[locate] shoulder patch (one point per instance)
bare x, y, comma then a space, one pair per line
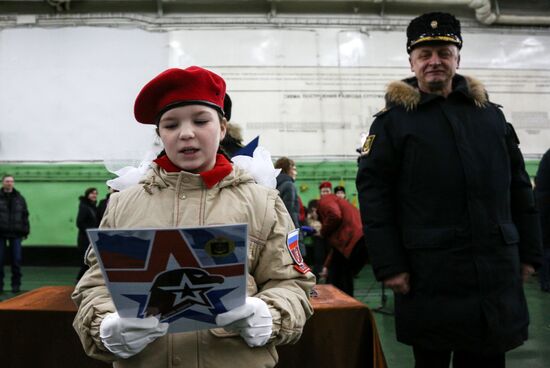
293, 247
367, 145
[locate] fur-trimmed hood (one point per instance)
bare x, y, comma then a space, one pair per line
235, 131
405, 93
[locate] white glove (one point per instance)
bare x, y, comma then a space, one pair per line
251, 320
126, 337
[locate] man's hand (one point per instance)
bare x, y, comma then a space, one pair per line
398, 283
526, 271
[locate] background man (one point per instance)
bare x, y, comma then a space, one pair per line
14, 225
447, 208
542, 192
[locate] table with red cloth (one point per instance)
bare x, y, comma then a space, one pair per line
36, 331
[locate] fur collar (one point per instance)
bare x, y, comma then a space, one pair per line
405, 93
235, 131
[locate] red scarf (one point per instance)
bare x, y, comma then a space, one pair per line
221, 169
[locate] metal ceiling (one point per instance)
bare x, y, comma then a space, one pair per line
523, 7
169, 13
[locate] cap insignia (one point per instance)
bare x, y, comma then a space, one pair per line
433, 24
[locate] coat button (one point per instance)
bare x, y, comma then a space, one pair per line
183, 196
177, 360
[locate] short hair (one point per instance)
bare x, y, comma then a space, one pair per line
7, 176
285, 164
339, 188
87, 193
89, 190
314, 203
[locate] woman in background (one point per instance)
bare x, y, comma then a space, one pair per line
86, 219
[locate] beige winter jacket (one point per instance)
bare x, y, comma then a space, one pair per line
181, 199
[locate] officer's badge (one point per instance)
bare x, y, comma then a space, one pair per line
367, 145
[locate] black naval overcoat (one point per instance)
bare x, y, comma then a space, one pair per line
444, 195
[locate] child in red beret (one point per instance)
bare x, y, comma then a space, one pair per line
325, 188
193, 184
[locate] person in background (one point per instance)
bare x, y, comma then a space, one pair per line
287, 189
340, 192
448, 209
102, 206
325, 188
289, 194
233, 140
301, 211
341, 230
86, 219
317, 250
194, 184
14, 226
542, 193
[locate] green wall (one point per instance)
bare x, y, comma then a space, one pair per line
310, 175
52, 192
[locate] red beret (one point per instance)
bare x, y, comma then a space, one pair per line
325, 184
175, 87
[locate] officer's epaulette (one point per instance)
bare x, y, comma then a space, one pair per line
496, 105
382, 112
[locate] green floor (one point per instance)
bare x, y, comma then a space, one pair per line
534, 354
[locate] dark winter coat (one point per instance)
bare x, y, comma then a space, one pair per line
340, 223
289, 195
542, 192
14, 215
102, 207
86, 219
444, 195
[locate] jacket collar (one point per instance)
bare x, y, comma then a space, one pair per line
14, 192
159, 178
221, 169
405, 93
282, 177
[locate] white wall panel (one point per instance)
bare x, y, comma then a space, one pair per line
67, 94
313, 92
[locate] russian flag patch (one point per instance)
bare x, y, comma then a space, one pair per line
292, 243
